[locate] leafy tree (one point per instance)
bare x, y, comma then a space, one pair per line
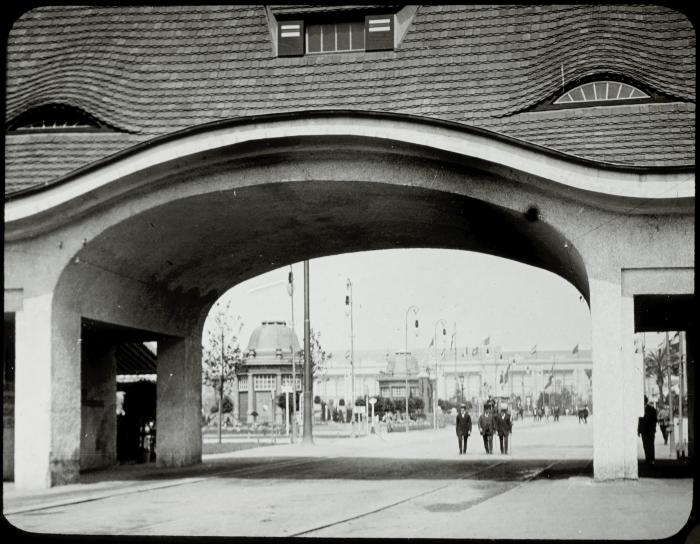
227, 406
221, 357
282, 402
415, 404
383, 405
656, 365
319, 356
360, 401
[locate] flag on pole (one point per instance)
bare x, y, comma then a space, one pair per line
551, 377
501, 378
505, 376
442, 353
575, 350
432, 343
452, 340
486, 340
533, 350
475, 351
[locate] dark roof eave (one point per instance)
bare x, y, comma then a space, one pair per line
307, 114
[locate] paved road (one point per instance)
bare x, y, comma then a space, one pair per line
399, 485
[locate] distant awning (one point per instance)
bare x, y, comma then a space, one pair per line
135, 359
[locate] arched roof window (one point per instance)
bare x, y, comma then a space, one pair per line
601, 91
54, 117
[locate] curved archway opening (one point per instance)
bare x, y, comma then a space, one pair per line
490, 328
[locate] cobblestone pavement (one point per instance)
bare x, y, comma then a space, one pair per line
398, 485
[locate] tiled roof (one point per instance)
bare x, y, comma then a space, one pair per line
36, 159
152, 70
655, 134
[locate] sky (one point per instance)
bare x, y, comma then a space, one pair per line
515, 305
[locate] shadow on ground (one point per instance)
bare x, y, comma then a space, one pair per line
667, 468
348, 468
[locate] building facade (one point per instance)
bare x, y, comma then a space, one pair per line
266, 372
502, 372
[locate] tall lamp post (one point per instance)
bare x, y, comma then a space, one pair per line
308, 370
405, 354
461, 386
444, 333
290, 290
348, 307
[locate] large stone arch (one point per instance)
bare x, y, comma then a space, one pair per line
149, 239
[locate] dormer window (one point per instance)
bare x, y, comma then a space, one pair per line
319, 35
335, 37
601, 91
55, 117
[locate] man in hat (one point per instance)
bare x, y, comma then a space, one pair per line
646, 428
464, 428
487, 425
504, 426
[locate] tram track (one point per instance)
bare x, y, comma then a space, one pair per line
304, 467
243, 471
469, 475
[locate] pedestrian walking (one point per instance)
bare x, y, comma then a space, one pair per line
504, 426
646, 428
463, 427
664, 423
487, 426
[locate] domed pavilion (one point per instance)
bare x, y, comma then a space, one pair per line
266, 368
392, 381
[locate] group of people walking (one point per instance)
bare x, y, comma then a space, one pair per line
489, 423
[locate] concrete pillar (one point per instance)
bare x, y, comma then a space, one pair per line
47, 394
617, 396
98, 440
179, 403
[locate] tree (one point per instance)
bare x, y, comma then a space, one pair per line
415, 404
221, 357
227, 406
656, 365
383, 405
319, 357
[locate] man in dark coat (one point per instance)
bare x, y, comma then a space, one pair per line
464, 428
646, 428
487, 426
504, 426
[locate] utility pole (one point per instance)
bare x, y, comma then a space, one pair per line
308, 371
405, 355
292, 415
349, 302
435, 403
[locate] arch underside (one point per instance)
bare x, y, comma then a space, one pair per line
203, 244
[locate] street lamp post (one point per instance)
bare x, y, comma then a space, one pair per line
405, 354
444, 333
461, 386
290, 290
348, 304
